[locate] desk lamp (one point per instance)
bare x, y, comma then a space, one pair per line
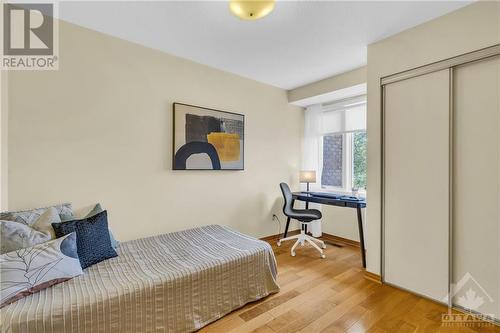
307, 176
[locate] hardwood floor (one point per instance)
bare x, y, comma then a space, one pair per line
332, 295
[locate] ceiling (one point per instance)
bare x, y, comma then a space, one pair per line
298, 43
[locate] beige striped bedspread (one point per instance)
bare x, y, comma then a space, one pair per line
176, 282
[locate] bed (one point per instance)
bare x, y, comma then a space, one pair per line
176, 282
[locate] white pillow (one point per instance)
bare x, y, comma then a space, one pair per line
16, 235
26, 271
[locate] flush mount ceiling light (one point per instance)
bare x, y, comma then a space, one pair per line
251, 9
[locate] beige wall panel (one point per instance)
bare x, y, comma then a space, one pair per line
416, 184
341, 222
476, 227
336, 82
100, 130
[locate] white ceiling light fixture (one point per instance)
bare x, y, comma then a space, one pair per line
251, 9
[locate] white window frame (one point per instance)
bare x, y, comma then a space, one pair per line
347, 144
347, 165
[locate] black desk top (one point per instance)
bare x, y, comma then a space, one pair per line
330, 199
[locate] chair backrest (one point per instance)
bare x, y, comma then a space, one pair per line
287, 195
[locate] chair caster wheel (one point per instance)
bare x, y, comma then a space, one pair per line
293, 254
279, 243
323, 256
324, 246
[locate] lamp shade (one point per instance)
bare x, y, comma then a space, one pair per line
307, 176
251, 9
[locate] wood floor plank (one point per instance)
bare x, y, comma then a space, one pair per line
225, 324
346, 300
253, 324
331, 295
268, 305
344, 323
392, 321
285, 319
316, 293
263, 329
377, 305
312, 275
309, 312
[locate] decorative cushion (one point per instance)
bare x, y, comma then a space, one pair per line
44, 223
93, 242
27, 271
90, 211
29, 217
15, 235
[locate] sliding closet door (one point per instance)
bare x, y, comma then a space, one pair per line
476, 181
416, 184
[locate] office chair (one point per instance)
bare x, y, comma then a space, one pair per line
304, 216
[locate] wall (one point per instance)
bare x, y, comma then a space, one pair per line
3, 139
470, 28
100, 130
336, 82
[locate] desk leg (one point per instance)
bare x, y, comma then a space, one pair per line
305, 225
287, 222
361, 236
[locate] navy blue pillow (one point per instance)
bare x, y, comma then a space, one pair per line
92, 238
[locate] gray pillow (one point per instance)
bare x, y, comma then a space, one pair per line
29, 217
15, 235
44, 223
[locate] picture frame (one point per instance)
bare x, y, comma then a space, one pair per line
207, 139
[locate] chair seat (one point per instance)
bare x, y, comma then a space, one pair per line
305, 215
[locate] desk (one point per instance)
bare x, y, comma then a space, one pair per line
334, 201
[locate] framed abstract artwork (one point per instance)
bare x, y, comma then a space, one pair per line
207, 139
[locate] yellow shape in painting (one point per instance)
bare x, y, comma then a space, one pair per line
226, 144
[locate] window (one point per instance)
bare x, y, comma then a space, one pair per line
359, 160
335, 144
333, 160
344, 161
